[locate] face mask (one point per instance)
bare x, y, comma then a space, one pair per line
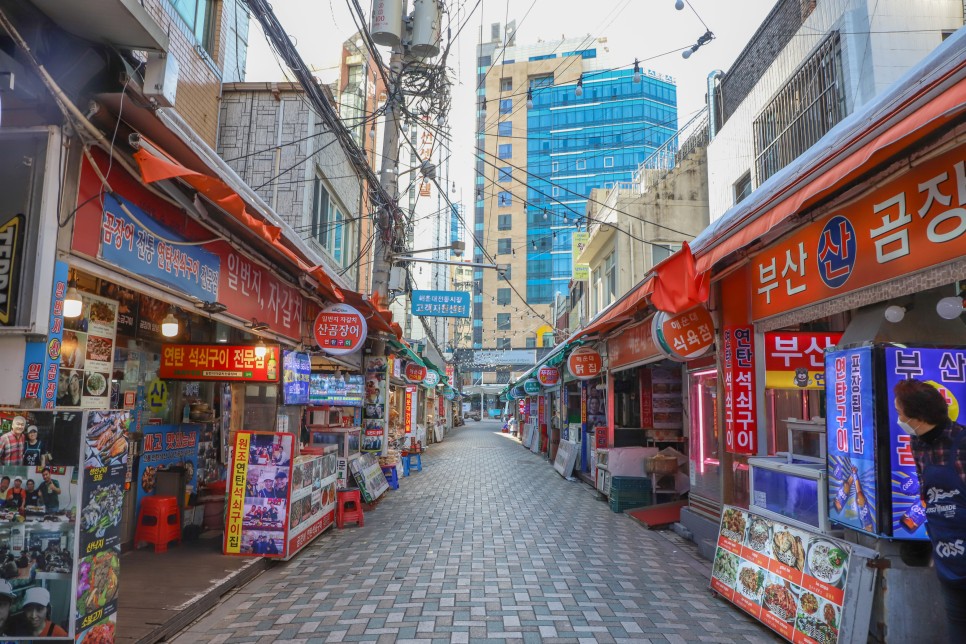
907, 428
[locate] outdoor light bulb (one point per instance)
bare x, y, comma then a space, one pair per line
949, 308
686, 54
260, 349
169, 325
529, 103
545, 215
73, 305
679, 5
580, 89
895, 313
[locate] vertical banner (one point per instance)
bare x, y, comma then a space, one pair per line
409, 410
166, 446
647, 400
850, 434
41, 371
944, 369
375, 409
581, 272
256, 521
740, 406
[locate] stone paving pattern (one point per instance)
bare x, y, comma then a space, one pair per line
487, 544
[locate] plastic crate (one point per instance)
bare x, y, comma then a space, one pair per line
620, 484
620, 504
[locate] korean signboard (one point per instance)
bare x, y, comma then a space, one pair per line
790, 580
910, 223
851, 439
431, 379
740, 407
41, 371
415, 373
632, 345
311, 502
944, 369
442, 304
257, 511
296, 371
165, 446
409, 410
155, 253
584, 363
795, 360
218, 362
548, 376
683, 336
581, 272
531, 386
340, 329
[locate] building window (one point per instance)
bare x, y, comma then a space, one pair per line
504, 199
503, 343
505, 275
331, 229
743, 187
503, 321
810, 103
610, 278
504, 150
608, 162
581, 164
503, 296
506, 84
661, 251
485, 61
504, 128
554, 165
506, 175
504, 222
555, 191
506, 105
531, 342
503, 246
548, 339
197, 14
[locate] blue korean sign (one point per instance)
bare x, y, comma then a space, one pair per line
850, 425
296, 370
944, 369
41, 364
441, 304
166, 446
155, 252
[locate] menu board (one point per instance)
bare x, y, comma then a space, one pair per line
87, 355
369, 477
256, 521
165, 447
944, 369
311, 503
665, 399
296, 369
851, 439
566, 458
790, 580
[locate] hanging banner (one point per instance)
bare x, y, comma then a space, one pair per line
340, 329
944, 369
796, 360
684, 336
409, 410
415, 373
584, 363
790, 580
441, 304
581, 272
219, 362
851, 439
41, 369
374, 408
741, 411
548, 376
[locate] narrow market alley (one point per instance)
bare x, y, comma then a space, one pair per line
487, 543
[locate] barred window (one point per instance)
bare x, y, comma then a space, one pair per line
810, 103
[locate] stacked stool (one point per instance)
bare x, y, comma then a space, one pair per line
349, 508
159, 522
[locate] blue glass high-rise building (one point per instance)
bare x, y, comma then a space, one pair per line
541, 149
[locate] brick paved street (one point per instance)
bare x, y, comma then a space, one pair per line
487, 543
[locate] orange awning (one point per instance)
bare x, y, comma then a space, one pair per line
621, 311
377, 318
154, 168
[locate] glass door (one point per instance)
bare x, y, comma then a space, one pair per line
704, 457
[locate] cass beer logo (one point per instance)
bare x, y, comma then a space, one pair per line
946, 549
9, 261
836, 252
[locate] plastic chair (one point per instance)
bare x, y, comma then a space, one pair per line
392, 477
349, 508
159, 522
407, 462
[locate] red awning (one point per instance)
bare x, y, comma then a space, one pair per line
377, 318
928, 106
621, 311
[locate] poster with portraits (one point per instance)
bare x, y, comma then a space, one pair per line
87, 355
312, 500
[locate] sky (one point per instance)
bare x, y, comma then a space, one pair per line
650, 30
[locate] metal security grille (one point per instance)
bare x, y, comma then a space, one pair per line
808, 106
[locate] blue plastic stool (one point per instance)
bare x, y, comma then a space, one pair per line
407, 462
391, 477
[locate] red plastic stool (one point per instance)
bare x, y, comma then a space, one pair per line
349, 508
159, 522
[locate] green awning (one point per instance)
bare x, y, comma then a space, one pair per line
405, 352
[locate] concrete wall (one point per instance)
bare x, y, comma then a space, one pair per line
265, 131
902, 33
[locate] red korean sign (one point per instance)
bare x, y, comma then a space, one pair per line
584, 363
797, 360
340, 329
548, 376
915, 221
218, 362
741, 412
632, 345
408, 410
415, 373
647, 399
451, 374
684, 336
